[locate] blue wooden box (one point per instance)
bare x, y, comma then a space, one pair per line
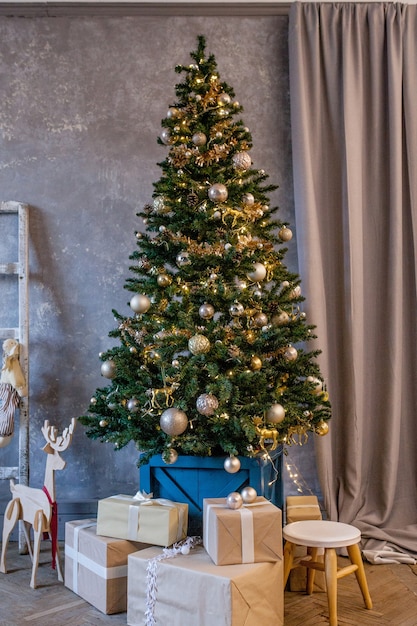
191, 479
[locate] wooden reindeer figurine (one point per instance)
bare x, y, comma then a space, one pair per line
37, 507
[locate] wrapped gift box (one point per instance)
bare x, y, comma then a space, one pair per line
299, 508
156, 522
96, 567
251, 534
193, 590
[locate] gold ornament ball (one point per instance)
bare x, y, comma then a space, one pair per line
198, 344
173, 113
275, 414
322, 428
223, 99
249, 495
231, 464
250, 336
234, 500
173, 421
285, 234
260, 320
255, 363
281, 319
248, 199
199, 139
140, 303
163, 280
206, 311
242, 161
318, 385
207, 404
170, 457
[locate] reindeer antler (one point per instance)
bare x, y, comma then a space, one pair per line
51, 435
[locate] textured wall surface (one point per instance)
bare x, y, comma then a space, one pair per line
81, 104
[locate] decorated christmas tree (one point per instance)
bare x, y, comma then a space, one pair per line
212, 357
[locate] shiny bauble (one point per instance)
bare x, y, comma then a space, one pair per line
236, 309
275, 414
198, 344
133, 405
173, 421
93, 401
255, 363
207, 404
322, 428
231, 464
285, 234
290, 353
218, 193
170, 457
199, 139
108, 369
206, 311
318, 385
159, 205
223, 99
166, 136
173, 113
234, 500
242, 161
281, 319
183, 258
175, 363
163, 280
260, 320
249, 495
258, 273
248, 199
103, 423
140, 303
295, 292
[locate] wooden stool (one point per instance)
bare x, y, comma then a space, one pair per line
315, 534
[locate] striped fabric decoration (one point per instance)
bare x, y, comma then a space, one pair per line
9, 401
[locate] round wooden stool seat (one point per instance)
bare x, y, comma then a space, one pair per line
325, 535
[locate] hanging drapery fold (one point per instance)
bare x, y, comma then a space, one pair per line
353, 80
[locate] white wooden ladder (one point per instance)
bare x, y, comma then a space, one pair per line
18, 268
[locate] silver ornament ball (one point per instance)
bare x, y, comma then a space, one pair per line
133, 405
234, 500
249, 495
242, 161
223, 99
218, 193
199, 139
236, 309
173, 421
183, 258
108, 369
165, 136
231, 464
206, 311
258, 273
140, 303
248, 199
291, 353
207, 404
275, 414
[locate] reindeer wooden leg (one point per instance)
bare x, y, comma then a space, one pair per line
59, 565
11, 516
26, 532
38, 526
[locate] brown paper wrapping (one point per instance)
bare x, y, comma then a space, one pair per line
124, 517
228, 538
299, 508
96, 568
193, 590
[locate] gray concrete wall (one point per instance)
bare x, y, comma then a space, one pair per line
81, 104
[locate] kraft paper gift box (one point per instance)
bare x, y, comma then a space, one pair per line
96, 567
192, 590
299, 508
157, 522
250, 534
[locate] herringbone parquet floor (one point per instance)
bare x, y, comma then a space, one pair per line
393, 590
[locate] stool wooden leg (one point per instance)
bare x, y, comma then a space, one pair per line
288, 560
356, 558
330, 569
310, 570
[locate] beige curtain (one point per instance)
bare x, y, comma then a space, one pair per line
353, 82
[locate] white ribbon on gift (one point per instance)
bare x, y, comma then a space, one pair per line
246, 529
144, 499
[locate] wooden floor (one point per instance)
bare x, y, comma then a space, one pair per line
393, 590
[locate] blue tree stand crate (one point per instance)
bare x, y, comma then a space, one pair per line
191, 479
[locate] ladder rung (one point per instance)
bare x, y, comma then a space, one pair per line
9, 268
8, 472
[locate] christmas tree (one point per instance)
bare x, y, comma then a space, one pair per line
212, 358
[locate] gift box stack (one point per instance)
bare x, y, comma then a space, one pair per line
137, 557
